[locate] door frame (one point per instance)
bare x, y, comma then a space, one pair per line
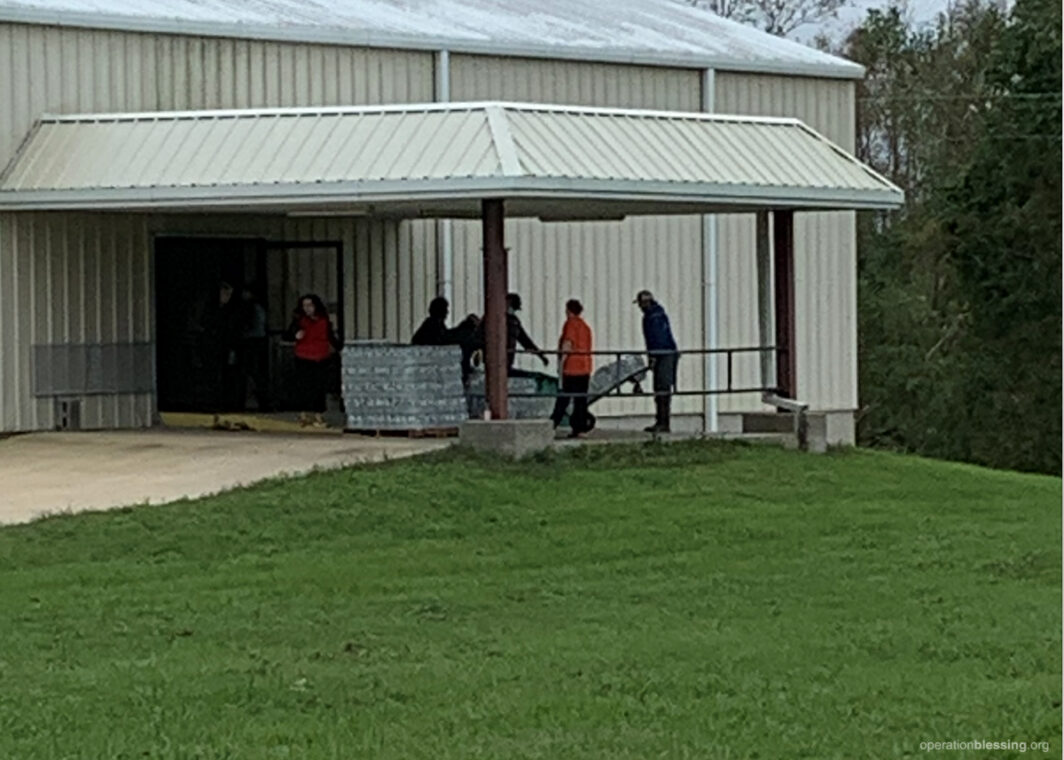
338, 248
264, 244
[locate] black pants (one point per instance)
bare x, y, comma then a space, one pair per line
254, 361
664, 385
578, 419
229, 395
312, 382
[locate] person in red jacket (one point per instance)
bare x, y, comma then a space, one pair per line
316, 342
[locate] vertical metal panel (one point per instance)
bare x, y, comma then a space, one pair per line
88, 277
68, 278
825, 251
601, 263
65, 70
391, 304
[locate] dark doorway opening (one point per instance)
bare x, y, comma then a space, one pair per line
217, 354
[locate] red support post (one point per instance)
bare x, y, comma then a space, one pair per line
495, 284
783, 276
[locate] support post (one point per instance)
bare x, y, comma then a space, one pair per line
783, 278
495, 283
765, 331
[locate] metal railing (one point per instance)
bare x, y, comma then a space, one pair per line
618, 356
769, 394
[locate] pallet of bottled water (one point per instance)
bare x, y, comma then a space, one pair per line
391, 387
530, 397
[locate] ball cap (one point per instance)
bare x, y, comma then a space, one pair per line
643, 295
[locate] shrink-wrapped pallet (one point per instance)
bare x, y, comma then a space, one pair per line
400, 387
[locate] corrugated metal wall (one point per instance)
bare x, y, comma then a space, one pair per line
63, 70
70, 278
601, 263
825, 252
391, 279
67, 278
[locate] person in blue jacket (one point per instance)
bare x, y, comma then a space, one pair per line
662, 356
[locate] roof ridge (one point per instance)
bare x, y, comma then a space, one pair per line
476, 105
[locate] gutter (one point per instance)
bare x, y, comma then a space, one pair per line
444, 227
711, 420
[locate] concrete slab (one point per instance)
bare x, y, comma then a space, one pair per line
43, 473
509, 438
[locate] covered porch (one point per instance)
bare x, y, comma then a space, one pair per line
486, 161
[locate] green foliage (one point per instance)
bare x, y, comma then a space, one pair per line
1003, 222
960, 294
692, 601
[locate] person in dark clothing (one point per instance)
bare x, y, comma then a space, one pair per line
221, 341
254, 348
434, 331
662, 355
316, 341
515, 335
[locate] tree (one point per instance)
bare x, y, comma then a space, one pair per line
959, 294
1002, 219
779, 17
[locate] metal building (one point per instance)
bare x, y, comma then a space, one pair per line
79, 289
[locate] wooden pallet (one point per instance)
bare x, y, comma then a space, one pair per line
445, 432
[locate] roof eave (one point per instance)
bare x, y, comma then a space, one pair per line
334, 36
376, 196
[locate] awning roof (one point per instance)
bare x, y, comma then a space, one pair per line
436, 160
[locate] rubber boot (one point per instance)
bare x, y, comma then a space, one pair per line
661, 417
664, 414
657, 417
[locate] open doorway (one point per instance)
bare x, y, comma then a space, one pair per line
222, 309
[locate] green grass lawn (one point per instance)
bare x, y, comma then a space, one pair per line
685, 601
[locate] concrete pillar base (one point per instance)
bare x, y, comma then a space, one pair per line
510, 438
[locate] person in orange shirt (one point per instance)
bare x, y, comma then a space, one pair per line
574, 352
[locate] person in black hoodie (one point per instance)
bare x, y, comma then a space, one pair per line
662, 356
221, 326
434, 331
515, 335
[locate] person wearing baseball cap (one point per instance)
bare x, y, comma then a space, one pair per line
515, 334
662, 355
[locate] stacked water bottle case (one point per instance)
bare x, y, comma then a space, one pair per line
390, 387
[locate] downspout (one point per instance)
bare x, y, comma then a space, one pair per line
444, 227
710, 422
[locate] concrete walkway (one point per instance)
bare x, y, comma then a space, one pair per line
44, 473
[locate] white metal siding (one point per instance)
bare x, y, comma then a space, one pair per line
601, 263
825, 251
57, 70
70, 278
390, 278
86, 277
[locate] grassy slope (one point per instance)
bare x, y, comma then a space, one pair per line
692, 601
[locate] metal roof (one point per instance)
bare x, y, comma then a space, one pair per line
436, 160
658, 32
